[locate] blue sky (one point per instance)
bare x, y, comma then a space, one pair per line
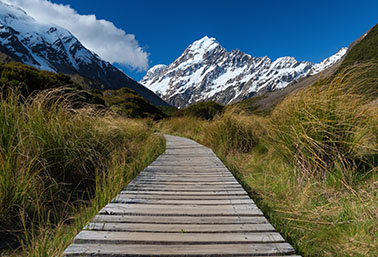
306, 30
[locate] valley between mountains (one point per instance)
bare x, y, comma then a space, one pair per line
300, 139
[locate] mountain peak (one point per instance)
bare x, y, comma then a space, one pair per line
204, 44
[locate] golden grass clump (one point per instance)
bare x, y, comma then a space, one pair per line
325, 129
233, 132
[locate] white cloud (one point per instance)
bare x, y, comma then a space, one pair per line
100, 36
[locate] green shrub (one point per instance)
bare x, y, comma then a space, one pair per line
128, 103
202, 110
30, 79
168, 110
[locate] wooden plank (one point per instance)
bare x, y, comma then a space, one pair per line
180, 188
187, 157
187, 180
182, 169
205, 193
181, 197
184, 210
115, 237
183, 183
190, 180
120, 199
188, 190
198, 161
180, 228
268, 249
180, 219
184, 178
191, 207
188, 168
197, 174
195, 170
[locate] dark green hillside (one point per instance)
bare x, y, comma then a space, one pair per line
29, 78
129, 103
202, 110
365, 50
360, 65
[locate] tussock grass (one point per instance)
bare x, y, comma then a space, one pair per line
326, 131
232, 133
311, 165
60, 162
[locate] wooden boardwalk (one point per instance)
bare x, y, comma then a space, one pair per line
186, 203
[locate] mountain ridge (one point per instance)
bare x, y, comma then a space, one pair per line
53, 48
207, 71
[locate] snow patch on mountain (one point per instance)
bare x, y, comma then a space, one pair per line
37, 43
206, 71
328, 62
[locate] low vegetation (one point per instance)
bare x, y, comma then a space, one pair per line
365, 50
60, 163
128, 103
202, 110
311, 164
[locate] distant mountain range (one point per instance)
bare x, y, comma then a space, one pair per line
53, 48
206, 71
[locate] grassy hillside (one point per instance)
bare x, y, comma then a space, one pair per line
202, 110
128, 103
29, 80
365, 50
311, 163
60, 164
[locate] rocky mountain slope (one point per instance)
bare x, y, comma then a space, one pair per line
55, 49
206, 71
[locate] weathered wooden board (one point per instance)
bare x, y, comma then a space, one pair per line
192, 192
174, 210
267, 249
128, 200
181, 197
181, 228
220, 220
120, 237
186, 203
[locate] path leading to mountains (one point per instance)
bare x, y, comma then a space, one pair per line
186, 203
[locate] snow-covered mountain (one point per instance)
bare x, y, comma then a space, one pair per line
206, 71
55, 49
